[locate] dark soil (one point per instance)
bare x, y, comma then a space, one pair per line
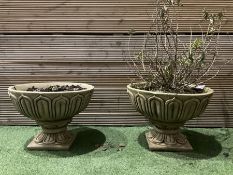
56, 88
185, 90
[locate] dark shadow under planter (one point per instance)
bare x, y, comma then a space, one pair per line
86, 141
95, 142
204, 146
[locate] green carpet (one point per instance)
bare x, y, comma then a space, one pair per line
124, 152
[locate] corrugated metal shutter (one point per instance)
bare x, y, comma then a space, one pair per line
102, 16
96, 60
29, 52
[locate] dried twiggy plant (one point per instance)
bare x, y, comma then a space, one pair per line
165, 62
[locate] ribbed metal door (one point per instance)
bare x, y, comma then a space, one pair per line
82, 41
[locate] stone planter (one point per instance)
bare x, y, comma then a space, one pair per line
52, 111
168, 112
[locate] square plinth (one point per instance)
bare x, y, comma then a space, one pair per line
59, 147
167, 147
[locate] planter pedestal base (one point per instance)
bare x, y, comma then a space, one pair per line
167, 140
52, 141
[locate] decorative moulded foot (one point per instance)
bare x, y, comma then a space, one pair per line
171, 140
52, 141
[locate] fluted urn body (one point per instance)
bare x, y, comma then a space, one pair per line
167, 112
51, 110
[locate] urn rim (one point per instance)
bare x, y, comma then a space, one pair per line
20, 87
208, 91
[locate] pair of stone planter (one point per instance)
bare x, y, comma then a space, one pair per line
54, 110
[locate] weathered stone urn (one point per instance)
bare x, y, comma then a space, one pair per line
167, 112
52, 111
